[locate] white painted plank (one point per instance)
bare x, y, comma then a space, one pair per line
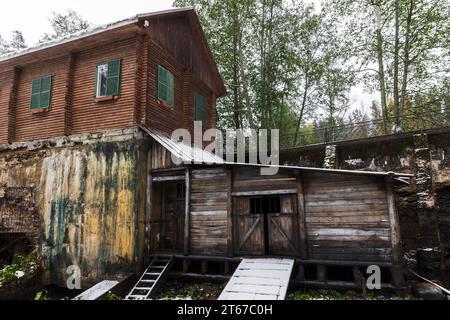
265, 279
97, 291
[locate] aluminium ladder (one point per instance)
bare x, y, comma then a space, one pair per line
150, 279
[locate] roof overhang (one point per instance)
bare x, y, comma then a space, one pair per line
194, 155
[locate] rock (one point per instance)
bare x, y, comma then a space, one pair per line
428, 291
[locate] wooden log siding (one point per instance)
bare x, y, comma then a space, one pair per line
8, 94
347, 217
90, 116
209, 203
162, 117
248, 181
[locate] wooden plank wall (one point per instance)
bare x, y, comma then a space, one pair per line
208, 221
248, 181
347, 217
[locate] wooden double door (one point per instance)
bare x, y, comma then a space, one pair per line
266, 225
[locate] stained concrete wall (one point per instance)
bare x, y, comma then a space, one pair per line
90, 201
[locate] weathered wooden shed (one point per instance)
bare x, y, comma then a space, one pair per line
317, 216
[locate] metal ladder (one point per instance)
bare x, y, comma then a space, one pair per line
148, 282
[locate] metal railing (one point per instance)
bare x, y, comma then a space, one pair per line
360, 130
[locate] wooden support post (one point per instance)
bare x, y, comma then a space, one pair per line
322, 273
397, 274
301, 218
204, 267
230, 212
226, 268
187, 212
358, 278
300, 273
148, 204
186, 264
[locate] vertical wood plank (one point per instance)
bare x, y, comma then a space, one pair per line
300, 273
148, 203
322, 273
187, 212
393, 221
396, 270
301, 218
229, 212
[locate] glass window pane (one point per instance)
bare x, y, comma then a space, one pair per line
102, 82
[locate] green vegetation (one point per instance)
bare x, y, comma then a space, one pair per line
23, 266
112, 296
335, 295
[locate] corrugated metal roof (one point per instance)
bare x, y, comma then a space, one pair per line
184, 152
189, 154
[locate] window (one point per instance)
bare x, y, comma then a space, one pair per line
41, 93
165, 86
108, 79
200, 108
265, 205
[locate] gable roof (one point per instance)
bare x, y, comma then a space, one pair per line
129, 23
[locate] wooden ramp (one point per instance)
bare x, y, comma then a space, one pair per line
97, 291
259, 279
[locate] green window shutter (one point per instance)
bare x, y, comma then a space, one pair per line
170, 93
46, 88
41, 93
165, 86
200, 108
35, 93
113, 81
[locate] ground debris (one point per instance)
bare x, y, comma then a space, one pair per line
174, 290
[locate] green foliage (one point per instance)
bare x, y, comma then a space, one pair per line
17, 43
64, 24
22, 266
112, 296
41, 295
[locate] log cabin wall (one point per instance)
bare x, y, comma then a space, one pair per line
175, 42
6, 87
347, 217
50, 123
208, 211
91, 116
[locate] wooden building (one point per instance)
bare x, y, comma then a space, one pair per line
84, 126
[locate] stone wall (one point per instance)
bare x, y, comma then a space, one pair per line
86, 191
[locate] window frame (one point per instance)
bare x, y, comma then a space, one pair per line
166, 85
97, 86
40, 93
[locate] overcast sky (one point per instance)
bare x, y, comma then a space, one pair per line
31, 17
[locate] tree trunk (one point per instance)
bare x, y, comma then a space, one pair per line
302, 110
406, 58
382, 84
396, 66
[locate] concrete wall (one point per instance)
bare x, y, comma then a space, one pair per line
89, 199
